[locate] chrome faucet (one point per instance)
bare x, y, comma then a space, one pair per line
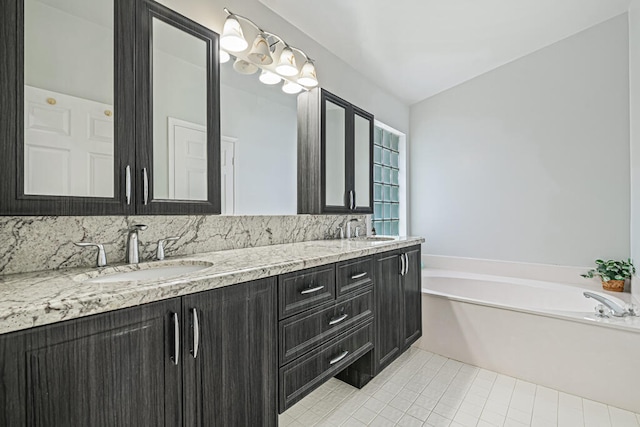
349, 227
133, 245
616, 309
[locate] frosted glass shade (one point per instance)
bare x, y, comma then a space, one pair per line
291, 87
260, 53
287, 64
308, 75
269, 78
232, 37
244, 67
224, 56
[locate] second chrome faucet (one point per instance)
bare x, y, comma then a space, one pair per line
133, 243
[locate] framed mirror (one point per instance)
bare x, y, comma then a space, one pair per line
178, 116
66, 137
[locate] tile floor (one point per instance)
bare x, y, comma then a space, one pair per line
425, 389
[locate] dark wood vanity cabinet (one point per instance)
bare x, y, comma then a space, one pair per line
151, 365
335, 155
398, 303
331, 332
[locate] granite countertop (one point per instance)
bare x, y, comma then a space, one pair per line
40, 298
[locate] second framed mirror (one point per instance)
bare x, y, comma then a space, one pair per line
178, 117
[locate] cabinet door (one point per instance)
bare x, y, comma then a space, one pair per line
362, 161
66, 117
388, 290
111, 369
412, 297
335, 160
232, 378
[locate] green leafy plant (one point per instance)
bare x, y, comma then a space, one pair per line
611, 270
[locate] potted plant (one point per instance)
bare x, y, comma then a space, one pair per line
613, 273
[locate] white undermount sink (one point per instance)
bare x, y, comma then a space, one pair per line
147, 272
376, 238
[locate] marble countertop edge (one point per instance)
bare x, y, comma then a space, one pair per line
40, 298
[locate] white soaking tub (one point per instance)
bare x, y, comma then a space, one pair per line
542, 332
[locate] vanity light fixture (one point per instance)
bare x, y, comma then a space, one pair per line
266, 48
224, 56
269, 78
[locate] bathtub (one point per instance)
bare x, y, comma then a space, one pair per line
542, 332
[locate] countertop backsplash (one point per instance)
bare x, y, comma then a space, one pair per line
35, 243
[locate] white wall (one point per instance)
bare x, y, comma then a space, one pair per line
529, 162
634, 90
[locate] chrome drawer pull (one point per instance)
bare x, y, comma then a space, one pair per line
338, 358
196, 333
312, 290
357, 276
337, 320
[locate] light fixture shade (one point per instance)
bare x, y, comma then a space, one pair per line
291, 87
260, 53
232, 37
244, 67
308, 75
287, 64
269, 78
224, 56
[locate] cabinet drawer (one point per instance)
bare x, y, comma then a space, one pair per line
302, 376
354, 274
305, 289
301, 333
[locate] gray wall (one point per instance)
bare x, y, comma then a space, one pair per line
529, 162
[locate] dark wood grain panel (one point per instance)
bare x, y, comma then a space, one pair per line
301, 333
388, 290
111, 369
412, 297
300, 377
353, 274
292, 300
233, 379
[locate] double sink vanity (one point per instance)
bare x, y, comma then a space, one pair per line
238, 339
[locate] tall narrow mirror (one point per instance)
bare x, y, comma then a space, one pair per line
334, 138
179, 114
69, 98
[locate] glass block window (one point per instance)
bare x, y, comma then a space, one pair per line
386, 188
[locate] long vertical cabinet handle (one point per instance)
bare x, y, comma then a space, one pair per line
127, 184
402, 264
176, 339
196, 333
406, 264
145, 183
352, 201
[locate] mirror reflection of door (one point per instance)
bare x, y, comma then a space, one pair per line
187, 157
68, 103
227, 163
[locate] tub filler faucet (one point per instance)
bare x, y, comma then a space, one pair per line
616, 309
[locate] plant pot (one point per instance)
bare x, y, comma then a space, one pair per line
613, 285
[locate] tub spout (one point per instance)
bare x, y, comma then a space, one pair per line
616, 309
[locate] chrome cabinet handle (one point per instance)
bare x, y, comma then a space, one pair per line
337, 320
351, 200
101, 260
406, 264
196, 333
176, 339
339, 357
311, 290
145, 188
402, 264
127, 185
357, 276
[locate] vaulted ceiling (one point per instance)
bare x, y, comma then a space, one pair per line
418, 48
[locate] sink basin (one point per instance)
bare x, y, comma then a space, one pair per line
146, 272
376, 238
